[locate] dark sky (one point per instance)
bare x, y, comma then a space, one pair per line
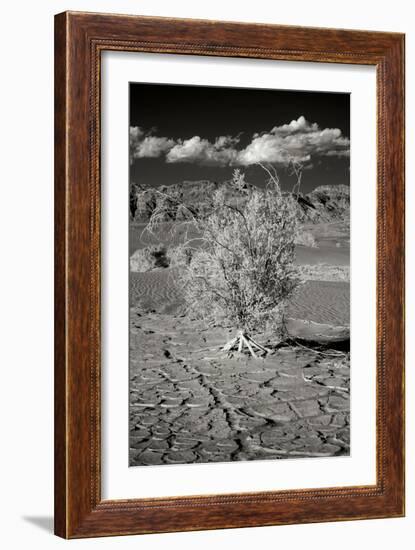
181, 112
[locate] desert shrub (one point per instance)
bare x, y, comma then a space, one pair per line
179, 256
244, 272
238, 260
243, 267
305, 238
150, 257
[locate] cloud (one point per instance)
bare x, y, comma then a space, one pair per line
136, 134
202, 151
147, 146
297, 141
153, 146
295, 126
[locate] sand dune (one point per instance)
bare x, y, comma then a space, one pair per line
318, 301
322, 302
156, 290
325, 253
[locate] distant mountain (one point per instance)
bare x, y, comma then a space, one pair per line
325, 203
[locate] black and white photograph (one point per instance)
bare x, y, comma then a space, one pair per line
207, 283
239, 274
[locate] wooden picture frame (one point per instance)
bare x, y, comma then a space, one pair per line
79, 40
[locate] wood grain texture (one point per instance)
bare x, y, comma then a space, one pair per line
60, 277
79, 40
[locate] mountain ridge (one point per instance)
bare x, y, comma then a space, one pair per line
325, 203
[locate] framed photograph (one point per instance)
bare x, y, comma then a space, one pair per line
229, 275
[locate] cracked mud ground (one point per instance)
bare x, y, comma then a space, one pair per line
190, 403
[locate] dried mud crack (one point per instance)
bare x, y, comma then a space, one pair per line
190, 403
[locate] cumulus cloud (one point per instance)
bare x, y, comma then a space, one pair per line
147, 146
296, 126
153, 146
136, 133
297, 141
202, 151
